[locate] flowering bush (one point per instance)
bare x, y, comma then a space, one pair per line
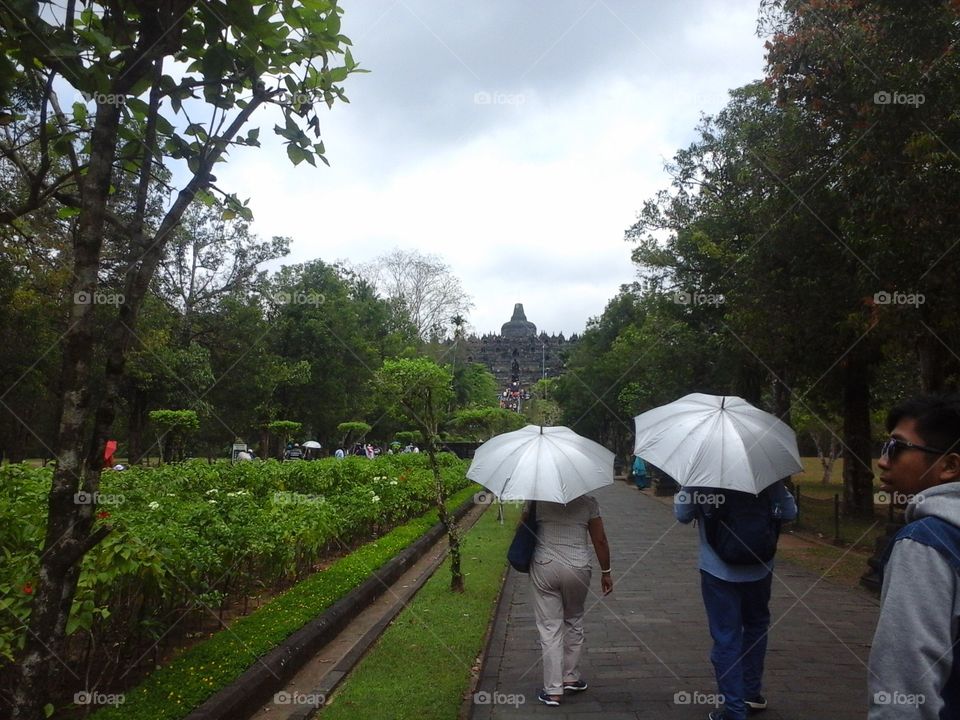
187, 538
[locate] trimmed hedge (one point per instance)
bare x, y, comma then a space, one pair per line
176, 689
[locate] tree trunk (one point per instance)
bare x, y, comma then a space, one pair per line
136, 422
781, 397
857, 460
449, 521
68, 535
930, 353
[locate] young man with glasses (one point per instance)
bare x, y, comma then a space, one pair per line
914, 667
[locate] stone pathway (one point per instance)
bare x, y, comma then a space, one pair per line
646, 653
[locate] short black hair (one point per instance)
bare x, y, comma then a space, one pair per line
937, 417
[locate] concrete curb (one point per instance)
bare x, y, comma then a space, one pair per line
270, 673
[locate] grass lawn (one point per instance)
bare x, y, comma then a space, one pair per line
421, 666
817, 512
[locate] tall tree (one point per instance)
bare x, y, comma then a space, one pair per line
141, 66
421, 288
418, 390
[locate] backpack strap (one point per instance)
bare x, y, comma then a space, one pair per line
942, 536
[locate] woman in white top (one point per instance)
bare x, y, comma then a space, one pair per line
560, 578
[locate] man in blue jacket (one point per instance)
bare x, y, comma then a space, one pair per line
737, 599
914, 666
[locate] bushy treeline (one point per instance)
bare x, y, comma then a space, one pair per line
805, 255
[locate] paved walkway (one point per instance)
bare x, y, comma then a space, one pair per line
646, 653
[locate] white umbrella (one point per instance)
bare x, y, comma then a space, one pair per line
312, 444
719, 442
552, 464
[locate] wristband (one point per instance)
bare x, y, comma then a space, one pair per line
604, 572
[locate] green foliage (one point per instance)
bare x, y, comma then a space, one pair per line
417, 389
284, 428
484, 423
173, 691
474, 386
180, 533
353, 429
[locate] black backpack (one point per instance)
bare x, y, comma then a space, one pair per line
743, 528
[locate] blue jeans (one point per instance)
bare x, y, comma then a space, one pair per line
739, 615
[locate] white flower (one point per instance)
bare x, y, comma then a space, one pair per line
212, 502
154, 505
375, 498
393, 482
212, 491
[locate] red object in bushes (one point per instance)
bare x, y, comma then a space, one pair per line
108, 452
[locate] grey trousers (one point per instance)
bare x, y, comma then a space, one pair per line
559, 592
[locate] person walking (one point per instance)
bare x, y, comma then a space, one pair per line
914, 665
559, 580
736, 596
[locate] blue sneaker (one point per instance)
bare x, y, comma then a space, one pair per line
577, 686
547, 699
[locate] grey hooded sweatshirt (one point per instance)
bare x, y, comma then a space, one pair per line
912, 672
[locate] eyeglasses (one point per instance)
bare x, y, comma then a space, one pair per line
893, 446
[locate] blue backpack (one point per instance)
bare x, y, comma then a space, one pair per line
743, 528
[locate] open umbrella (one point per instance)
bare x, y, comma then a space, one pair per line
717, 441
312, 445
552, 464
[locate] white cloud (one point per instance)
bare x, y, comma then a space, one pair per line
527, 196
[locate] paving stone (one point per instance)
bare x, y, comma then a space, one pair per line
648, 640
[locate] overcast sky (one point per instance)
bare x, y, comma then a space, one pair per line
516, 139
